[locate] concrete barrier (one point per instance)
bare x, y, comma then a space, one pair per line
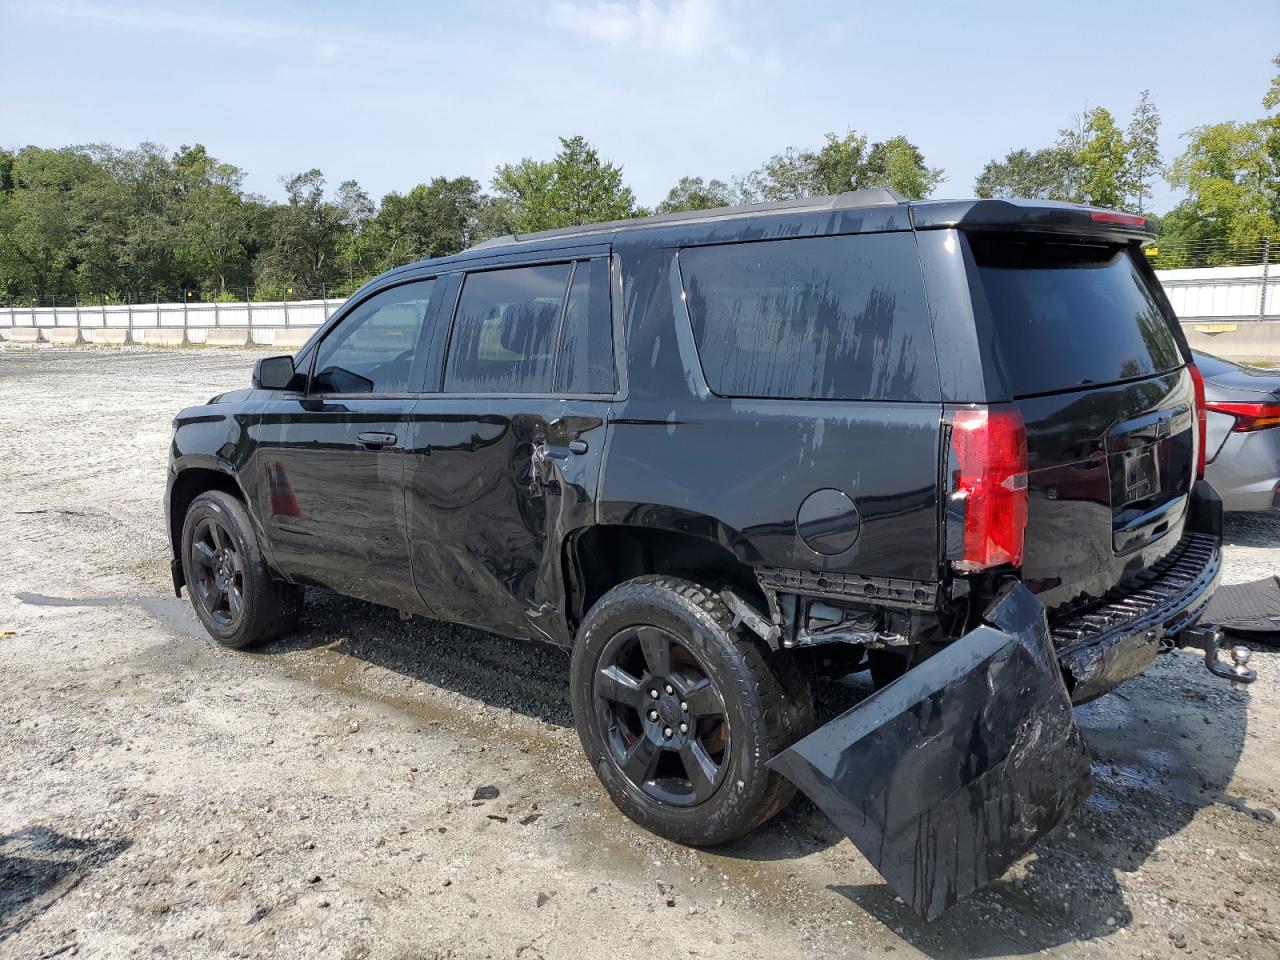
116, 336
225, 337
1248, 339
291, 338
65, 336
25, 334
163, 337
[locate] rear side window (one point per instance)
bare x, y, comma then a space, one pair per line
586, 339
1071, 315
504, 333
833, 318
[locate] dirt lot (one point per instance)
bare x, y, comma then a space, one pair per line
160, 796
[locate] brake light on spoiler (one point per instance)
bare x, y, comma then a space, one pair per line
1112, 216
1249, 416
987, 487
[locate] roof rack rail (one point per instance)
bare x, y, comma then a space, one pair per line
850, 199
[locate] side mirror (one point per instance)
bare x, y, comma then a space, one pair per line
273, 373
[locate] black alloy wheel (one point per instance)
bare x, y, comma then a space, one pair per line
679, 711
219, 573
665, 721
237, 597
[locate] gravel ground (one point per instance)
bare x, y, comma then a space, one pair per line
161, 796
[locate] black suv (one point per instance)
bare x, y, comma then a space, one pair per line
723, 454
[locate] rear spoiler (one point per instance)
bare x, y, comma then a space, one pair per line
1038, 216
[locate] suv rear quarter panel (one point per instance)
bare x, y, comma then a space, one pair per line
737, 470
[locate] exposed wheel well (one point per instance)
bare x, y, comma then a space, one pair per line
188, 485
599, 558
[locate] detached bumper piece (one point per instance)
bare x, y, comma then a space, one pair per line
949, 774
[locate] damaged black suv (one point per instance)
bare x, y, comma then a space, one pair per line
718, 454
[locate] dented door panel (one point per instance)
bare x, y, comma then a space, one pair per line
492, 488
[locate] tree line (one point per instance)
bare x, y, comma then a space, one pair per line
99, 221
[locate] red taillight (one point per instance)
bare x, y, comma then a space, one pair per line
1197, 378
1249, 416
1111, 216
988, 487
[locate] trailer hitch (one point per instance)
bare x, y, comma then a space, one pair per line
1208, 637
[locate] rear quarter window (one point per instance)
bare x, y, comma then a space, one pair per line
1071, 315
830, 318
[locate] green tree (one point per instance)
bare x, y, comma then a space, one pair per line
842, 163
1271, 99
214, 225
1232, 181
59, 215
1102, 159
304, 236
575, 187
135, 233
693, 193
435, 219
789, 175
496, 217
1143, 143
1045, 174
897, 163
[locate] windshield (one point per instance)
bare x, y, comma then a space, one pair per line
1070, 315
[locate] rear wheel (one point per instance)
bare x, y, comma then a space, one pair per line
679, 712
231, 588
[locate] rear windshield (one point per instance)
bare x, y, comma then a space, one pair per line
833, 318
1071, 314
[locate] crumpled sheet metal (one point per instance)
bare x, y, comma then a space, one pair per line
1097, 668
949, 774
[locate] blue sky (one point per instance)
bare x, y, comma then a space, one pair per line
392, 94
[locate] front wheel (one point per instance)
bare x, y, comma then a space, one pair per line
230, 585
679, 712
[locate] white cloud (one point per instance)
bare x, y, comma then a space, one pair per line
677, 28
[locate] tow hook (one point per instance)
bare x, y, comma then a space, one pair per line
1209, 639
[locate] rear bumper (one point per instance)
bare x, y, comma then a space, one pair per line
950, 773
953, 771
1110, 643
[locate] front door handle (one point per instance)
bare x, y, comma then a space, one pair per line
376, 441
578, 446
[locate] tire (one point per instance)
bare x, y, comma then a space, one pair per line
744, 704
230, 586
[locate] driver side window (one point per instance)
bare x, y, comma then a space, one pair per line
372, 349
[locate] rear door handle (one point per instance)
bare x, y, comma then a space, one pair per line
376, 441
